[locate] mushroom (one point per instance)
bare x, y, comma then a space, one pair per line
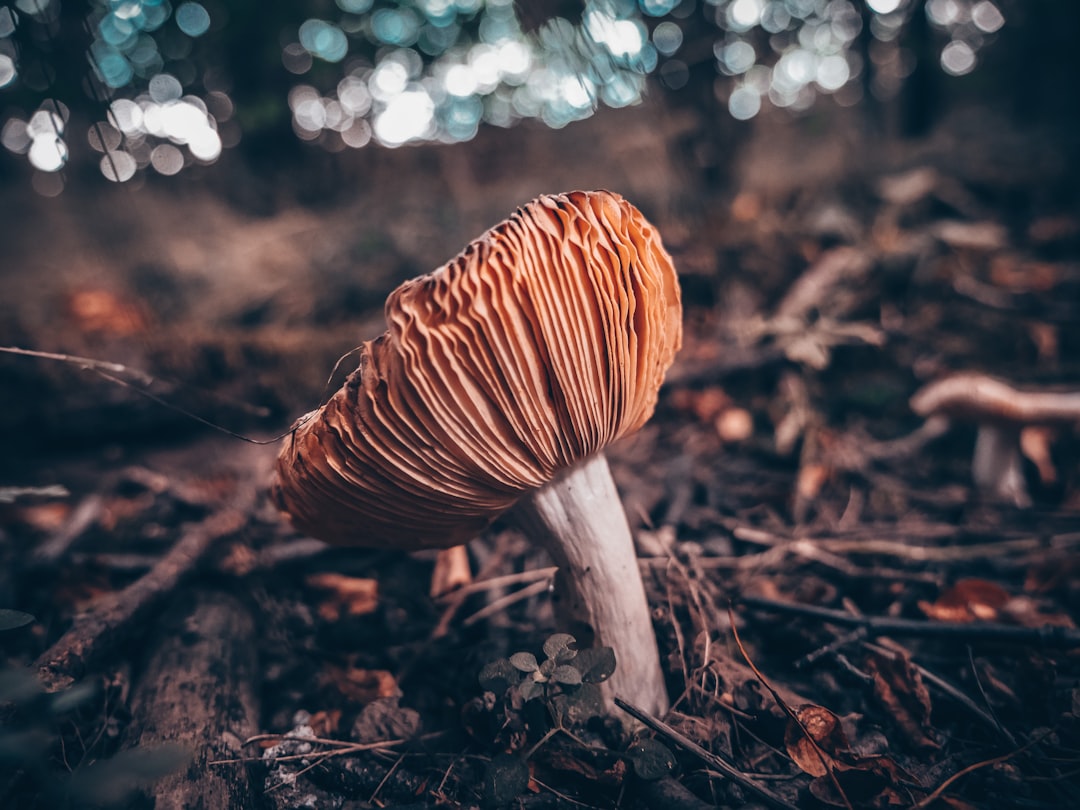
1001, 413
501, 378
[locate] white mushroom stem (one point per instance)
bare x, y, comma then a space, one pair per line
996, 466
579, 518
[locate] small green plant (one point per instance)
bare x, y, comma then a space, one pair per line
13, 619
564, 686
565, 681
34, 758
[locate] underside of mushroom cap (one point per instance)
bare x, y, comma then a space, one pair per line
980, 398
543, 341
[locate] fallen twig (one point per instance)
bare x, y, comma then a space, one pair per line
501, 604
713, 760
82, 518
1047, 635
824, 758
92, 637
340, 748
908, 551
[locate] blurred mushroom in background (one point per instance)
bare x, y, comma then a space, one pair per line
1002, 414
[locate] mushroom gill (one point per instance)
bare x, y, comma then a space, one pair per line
544, 340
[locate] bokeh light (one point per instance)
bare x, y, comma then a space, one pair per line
7, 70
405, 71
193, 19
667, 37
324, 40
958, 58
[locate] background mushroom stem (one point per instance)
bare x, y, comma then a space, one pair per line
997, 467
579, 518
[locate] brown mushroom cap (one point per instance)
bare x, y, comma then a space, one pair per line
544, 340
979, 398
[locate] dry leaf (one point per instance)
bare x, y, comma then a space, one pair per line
869, 782
105, 312
815, 742
350, 596
900, 689
44, 517
361, 685
384, 719
1024, 610
325, 723
966, 601
1035, 443
452, 571
1018, 275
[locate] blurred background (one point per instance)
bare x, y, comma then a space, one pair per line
222, 193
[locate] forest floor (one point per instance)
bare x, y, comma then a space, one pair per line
818, 561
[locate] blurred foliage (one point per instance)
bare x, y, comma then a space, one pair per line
40, 738
565, 683
148, 84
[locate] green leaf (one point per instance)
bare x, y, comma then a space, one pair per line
652, 760
566, 674
547, 668
18, 685
558, 646
506, 778
12, 619
529, 689
581, 705
595, 664
498, 676
24, 747
113, 780
71, 698
524, 661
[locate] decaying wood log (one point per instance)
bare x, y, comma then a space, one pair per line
198, 690
93, 637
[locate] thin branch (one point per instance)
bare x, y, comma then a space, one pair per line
491, 583
502, 604
825, 759
711, 759
321, 756
1046, 635
93, 637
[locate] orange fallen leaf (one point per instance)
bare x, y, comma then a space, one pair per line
452, 571
105, 312
966, 601
1036, 442
44, 517
816, 741
811, 478
361, 685
325, 723
349, 596
1020, 275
